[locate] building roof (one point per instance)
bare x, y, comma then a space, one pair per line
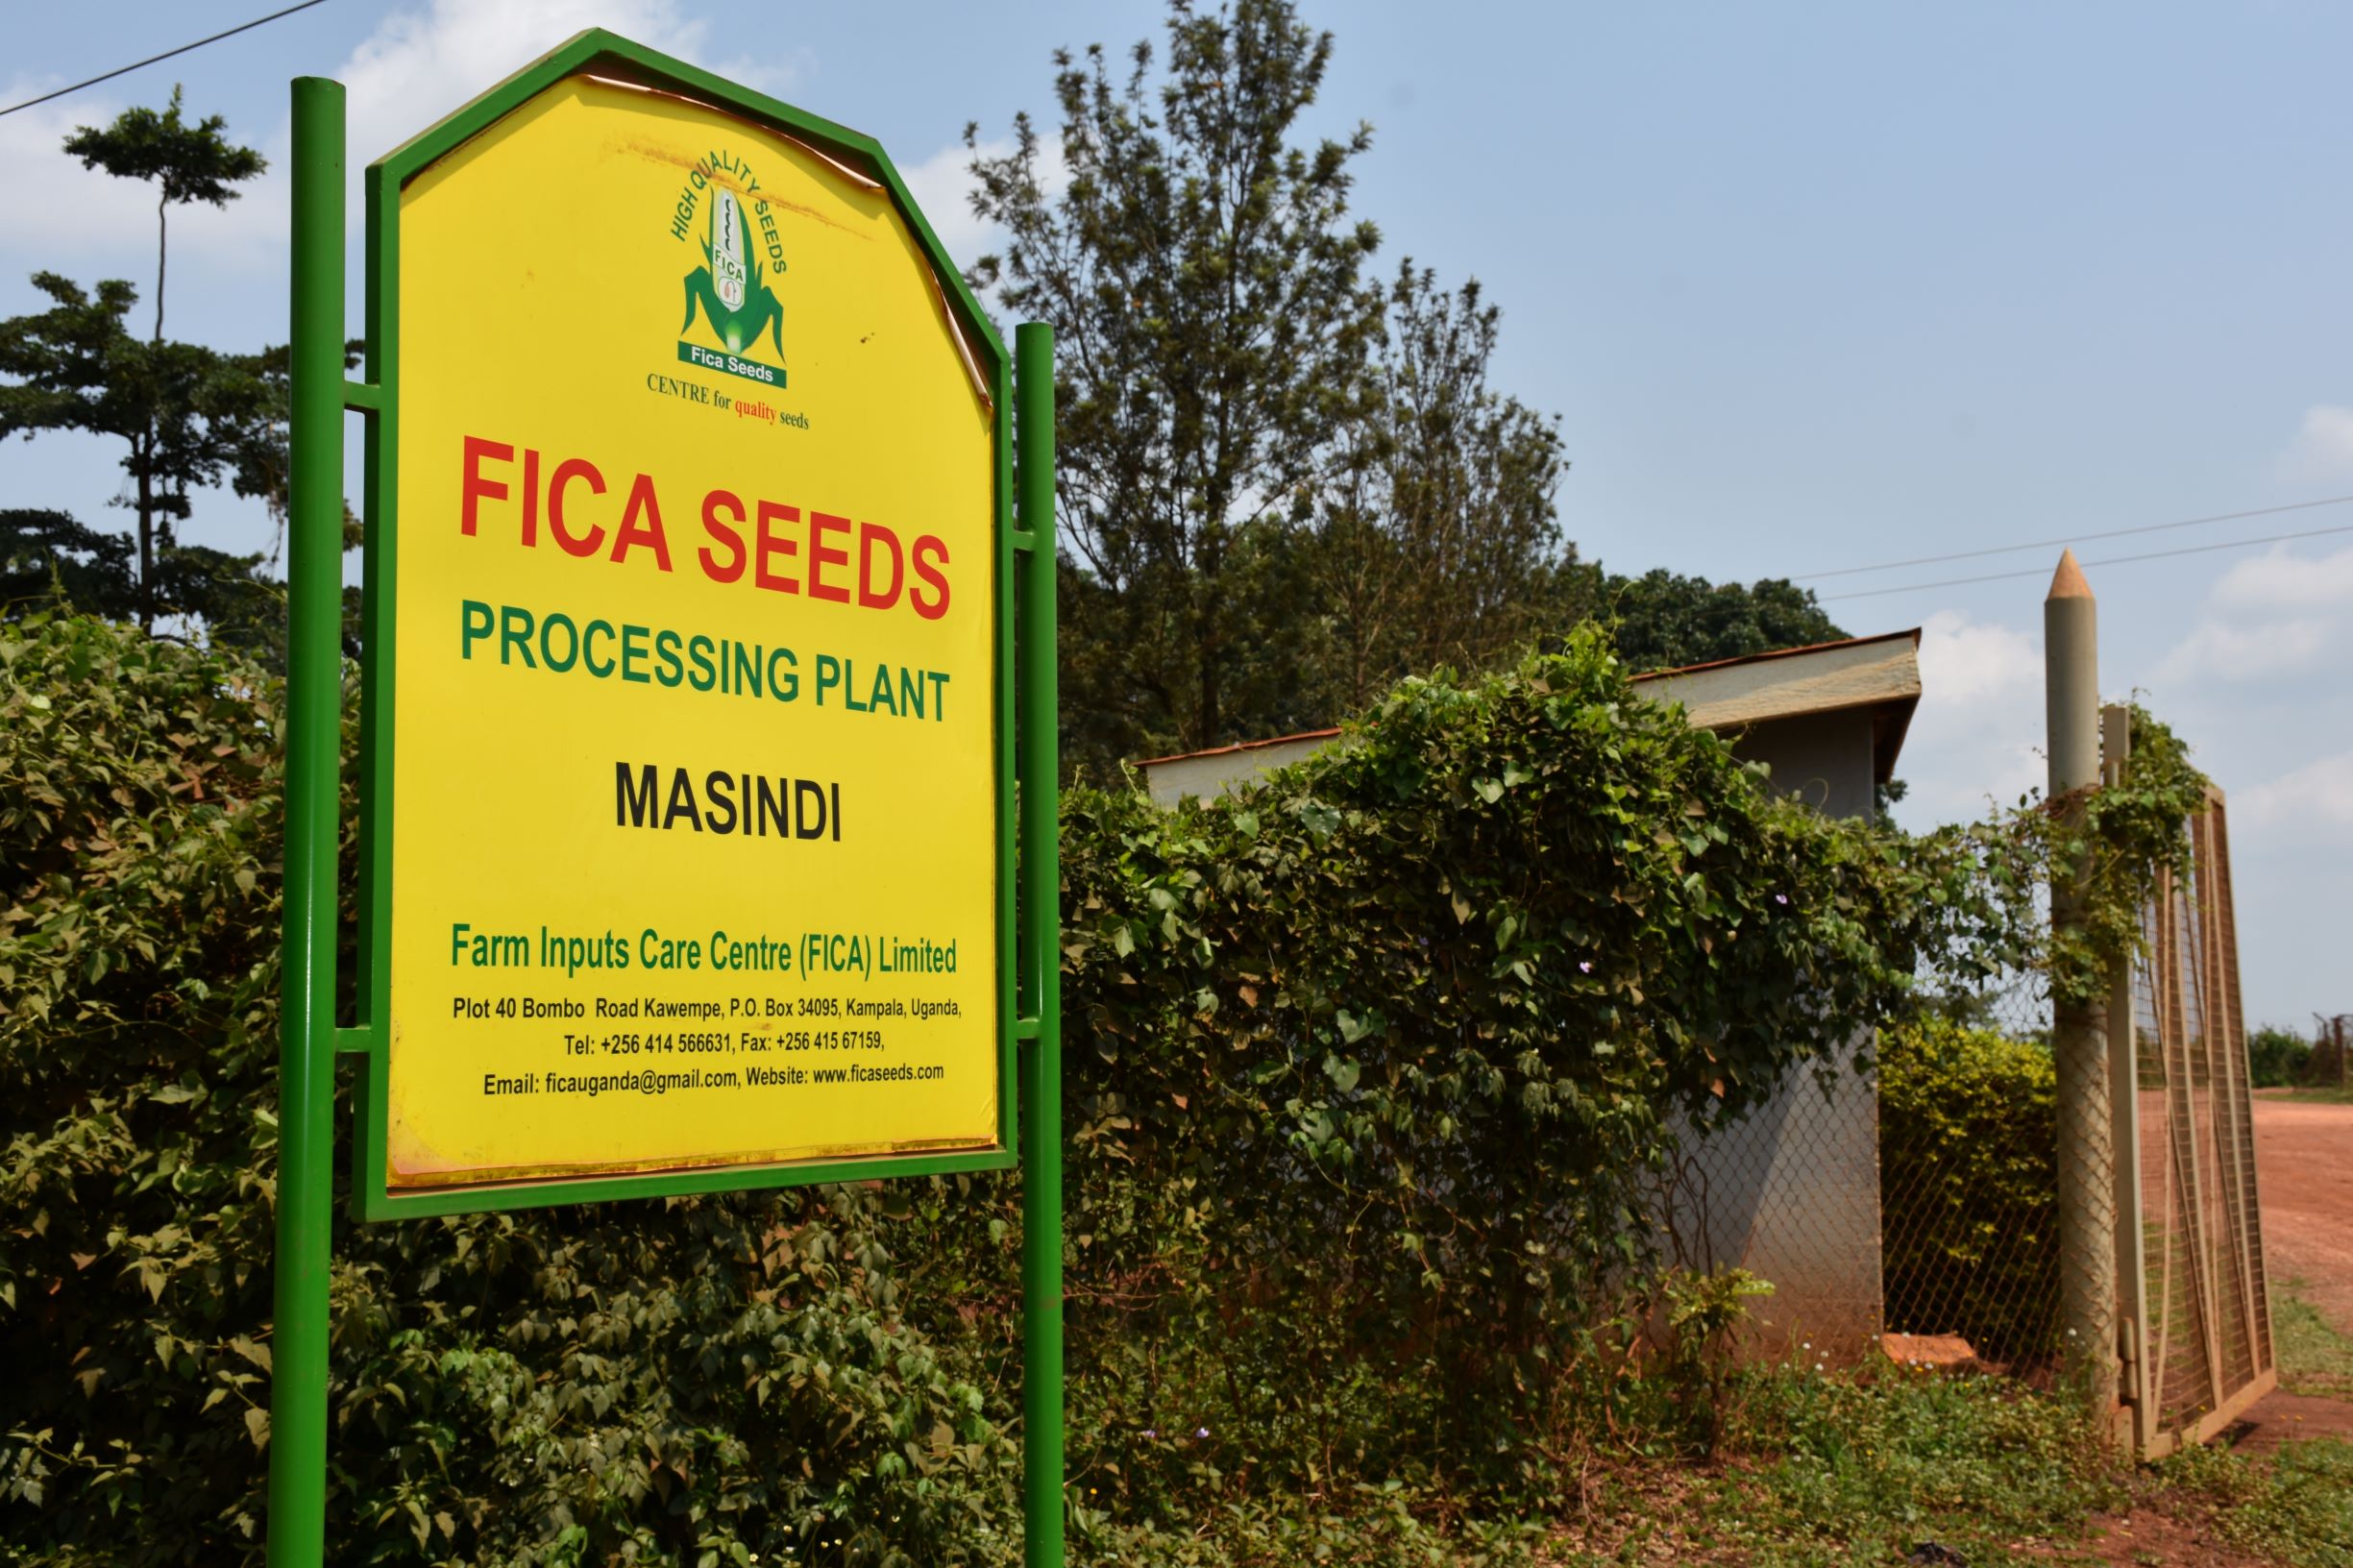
1912, 636
1241, 745
1878, 676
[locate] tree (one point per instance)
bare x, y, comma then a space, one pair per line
1203, 282
48, 559
190, 416
1283, 485
1440, 542
187, 163
1664, 620
187, 412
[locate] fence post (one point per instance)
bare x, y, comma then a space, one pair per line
2079, 1023
2137, 1425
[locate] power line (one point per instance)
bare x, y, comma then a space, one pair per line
2071, 539
2112, 561
166, 55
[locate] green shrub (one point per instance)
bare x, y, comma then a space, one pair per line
1370, 1062
638, 1381
1364, 1068
2279, 1058
1968, 1175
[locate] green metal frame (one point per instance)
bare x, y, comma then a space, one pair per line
1025, 727
602, 53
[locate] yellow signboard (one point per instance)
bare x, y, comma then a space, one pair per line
695, 811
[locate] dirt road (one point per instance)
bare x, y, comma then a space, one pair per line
2304, 1172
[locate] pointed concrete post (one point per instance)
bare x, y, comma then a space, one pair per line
2079, 1022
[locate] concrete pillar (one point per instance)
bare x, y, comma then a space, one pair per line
2079, 1014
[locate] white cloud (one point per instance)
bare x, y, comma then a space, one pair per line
1975, 739
424, 62
943, 187
2279, 583
2304, 804
2222, 649
2323, 445
1973, 663
2270, 618
421, 63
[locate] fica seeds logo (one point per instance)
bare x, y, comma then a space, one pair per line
731, 292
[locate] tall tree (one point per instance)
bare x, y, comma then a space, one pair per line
1283, 485
1439, 542
189, 416
1205, 283
187, 163
176, 404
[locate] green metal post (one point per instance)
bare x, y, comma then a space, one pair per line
1041, 1396
314, 683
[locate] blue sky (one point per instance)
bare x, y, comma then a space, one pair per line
1811, 288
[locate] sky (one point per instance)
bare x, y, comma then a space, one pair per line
1811, 288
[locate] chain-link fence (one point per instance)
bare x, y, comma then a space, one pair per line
1790, 1193
2025, 1189
1969, 1164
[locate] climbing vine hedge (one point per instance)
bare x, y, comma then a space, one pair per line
1364, 1069
1374, 1058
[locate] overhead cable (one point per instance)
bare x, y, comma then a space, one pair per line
2110, 560
2071, 539
125, 70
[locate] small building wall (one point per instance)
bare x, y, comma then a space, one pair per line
1791, 1193
1203, 775
1824, 759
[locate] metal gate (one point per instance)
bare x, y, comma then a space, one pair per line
2196, 1316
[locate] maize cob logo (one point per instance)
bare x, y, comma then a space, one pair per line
729, 287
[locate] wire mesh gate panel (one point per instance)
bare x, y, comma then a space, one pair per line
2198, 1317
1968, 1171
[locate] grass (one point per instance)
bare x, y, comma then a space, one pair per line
2311, 1097
1830, 1470
1824, 1471
2295, 1510
2313, 1357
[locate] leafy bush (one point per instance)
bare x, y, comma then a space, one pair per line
1969, 1181
2279, 1058
1365, 1067
1398, 1034
639, 1380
